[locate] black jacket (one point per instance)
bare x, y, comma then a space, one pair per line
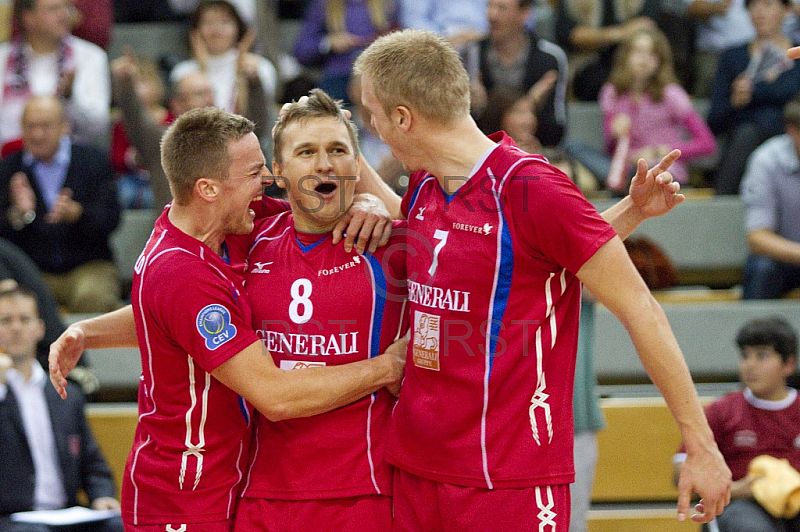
82, 464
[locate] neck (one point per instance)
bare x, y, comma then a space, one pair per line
510, 46
198, 223
40, 45
314, 227
453, 149
774, 395
24, 366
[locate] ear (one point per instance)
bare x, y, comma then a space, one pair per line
402, 118
207, 189
278, 174
789, 366
40, 329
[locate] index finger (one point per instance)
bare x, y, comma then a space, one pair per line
666, 162
684, 497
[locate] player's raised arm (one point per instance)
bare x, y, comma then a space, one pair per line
280, 394
627, 297
113, 329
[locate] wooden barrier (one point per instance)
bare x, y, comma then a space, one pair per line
114, 425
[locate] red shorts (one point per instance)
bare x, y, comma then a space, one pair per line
368, 513
214, 526
422, 504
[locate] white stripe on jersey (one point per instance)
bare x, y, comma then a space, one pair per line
195, 450
253, 456
540, 396
133, 481
231, 493
545, 503
372, 396
275, 219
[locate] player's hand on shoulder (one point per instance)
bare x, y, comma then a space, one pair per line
366, 223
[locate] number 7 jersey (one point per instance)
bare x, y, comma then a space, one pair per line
494, 306
314, 304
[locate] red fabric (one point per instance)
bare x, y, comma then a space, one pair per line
365, 514
10, 147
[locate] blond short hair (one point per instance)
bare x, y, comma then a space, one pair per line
417, 69
196, 145
318, 105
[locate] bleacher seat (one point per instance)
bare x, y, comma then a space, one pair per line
129, 238
153, 40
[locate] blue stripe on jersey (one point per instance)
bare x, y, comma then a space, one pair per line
306, 249
503, 289
380, 303
243, 407
414, 195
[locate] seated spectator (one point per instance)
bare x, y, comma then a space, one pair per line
191, 91
762, 419
58, 200
133, 179
771, 193
335, 32
643, 103
753, 83
590, 30
721, 24
49, 452
220, 41
459, 22
512, 111
45, 59
512, 56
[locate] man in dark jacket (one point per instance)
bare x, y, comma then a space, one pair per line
58, 203
48, 452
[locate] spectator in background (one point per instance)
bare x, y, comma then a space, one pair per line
334, 32
191, 91
513, 112
512, 56
458, 22
762, 419
58, 203
643, 103
49, 451
753, 83
45, 59
133, 179
245, 8
220, 41
590, 31
771, 193
722, 24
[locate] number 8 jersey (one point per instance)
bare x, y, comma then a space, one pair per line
494, 306
314, 304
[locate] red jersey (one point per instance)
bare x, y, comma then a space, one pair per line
314, 304
189, 450
745, 426
494, 306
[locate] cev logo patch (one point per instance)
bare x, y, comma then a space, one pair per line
214, 324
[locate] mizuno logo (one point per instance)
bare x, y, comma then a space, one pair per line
261, 267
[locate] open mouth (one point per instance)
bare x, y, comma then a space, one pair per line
326, 188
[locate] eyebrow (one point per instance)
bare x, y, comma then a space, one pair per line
304, 145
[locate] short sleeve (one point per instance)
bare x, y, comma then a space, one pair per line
210, 322
552, 218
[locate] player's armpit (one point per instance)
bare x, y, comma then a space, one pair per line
280, 394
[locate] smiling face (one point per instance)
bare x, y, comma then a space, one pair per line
319, 170
763, 370
243, 185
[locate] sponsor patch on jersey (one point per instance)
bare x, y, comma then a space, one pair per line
745, 438
214, 324
426, 340
300, 364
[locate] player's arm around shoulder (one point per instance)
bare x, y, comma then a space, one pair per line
612, 278
279, 394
